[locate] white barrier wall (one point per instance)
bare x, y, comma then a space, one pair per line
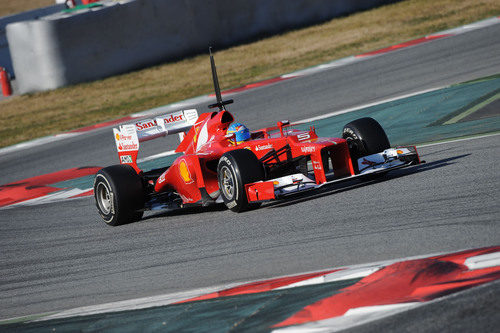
5, 60
121, 36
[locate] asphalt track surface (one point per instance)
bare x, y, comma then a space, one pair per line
59, 256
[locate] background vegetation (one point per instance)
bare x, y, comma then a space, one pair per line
34, 115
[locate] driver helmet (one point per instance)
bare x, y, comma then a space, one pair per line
241, 132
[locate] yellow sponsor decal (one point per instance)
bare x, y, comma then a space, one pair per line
184, 172
117, 137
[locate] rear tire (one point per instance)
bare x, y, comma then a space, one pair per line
119, 194
236, 169
365, 137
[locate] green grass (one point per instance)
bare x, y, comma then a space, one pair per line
10, 7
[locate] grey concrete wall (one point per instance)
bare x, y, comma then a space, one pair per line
65, 49
5, 59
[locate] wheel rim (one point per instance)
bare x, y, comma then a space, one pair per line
227, 183
103, 198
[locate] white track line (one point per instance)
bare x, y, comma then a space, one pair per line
63, 195
363, 106
457, 140
36, 142
483, 261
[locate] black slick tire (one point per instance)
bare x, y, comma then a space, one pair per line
237, 168
365, 137
119, 194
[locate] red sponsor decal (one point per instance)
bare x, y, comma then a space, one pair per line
132, 146
308, 149
173, 119
145, 125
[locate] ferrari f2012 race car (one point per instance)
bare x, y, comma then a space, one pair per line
216, 167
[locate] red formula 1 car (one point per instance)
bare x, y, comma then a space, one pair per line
214, 168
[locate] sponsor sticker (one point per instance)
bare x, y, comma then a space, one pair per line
226, 160
303, 136
317, 165
161, 179
128, 146
126, 159
173, 118
349, 131
122, 137
264, 147
308, 149
144, 125
126, 138
112, 200
185, 199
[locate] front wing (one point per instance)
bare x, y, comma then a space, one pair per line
380, 163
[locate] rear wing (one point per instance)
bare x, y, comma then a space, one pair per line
171, 123
127, 137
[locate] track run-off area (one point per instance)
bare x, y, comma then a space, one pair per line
441, 94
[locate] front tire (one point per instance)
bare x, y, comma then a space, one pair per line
237, 168
365, 137
119, 194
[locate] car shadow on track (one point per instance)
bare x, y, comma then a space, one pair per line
356, 183
185, 211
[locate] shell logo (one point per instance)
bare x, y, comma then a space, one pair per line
184, 172
117, 136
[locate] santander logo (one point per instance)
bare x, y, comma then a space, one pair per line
145, 125
128, 146
173, 119
264, 147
